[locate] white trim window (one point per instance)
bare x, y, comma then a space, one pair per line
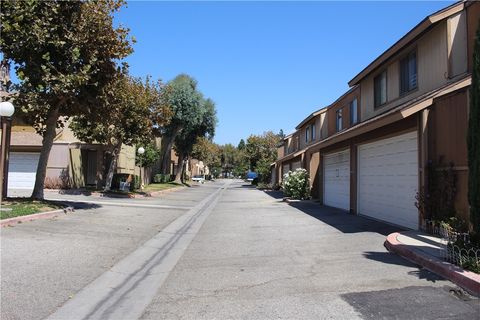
353, 112
408, 73
380, 89
339, 120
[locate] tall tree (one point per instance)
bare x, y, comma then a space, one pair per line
207, 151
241, 144
182, 98
473, 140
65, 53
130, 103
261, 151
186, 139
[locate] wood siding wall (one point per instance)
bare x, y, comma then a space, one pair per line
314, 165
432, 70
447, 131
344, 104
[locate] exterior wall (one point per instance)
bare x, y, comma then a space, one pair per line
58, 162
432, 72
447, 132
323, 125
457, 44
344, 104
66, 135
313, 167
76, 171
303, 129
473, 22
126, 160
281, 151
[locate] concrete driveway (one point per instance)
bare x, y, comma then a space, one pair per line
239, 253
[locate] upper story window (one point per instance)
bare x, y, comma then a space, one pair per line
339, 120
380, 89
313, 132
408, 73
353, 112
297, 143
307, 134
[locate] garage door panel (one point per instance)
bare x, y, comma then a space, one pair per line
336, 177
388, 180
22, 170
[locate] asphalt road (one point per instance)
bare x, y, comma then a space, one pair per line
216, 252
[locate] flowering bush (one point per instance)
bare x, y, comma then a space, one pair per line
296, 184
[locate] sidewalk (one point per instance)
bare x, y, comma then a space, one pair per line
428, 251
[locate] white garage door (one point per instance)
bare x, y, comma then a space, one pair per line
388, 180
296, 165
336, 180
22, 168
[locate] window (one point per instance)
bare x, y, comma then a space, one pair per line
353, 112
307, 134
380, 89
339, 120
313, 131
297, 143
408, 73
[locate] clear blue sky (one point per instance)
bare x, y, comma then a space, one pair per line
267, 65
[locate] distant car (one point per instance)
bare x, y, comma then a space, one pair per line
199, 178
251, 176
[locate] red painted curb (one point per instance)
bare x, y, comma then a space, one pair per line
35, 216
468, 280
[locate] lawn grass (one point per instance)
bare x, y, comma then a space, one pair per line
161, 186
25, 206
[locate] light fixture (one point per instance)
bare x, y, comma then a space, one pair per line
6, 109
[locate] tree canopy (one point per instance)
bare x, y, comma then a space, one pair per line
474, 140
64, 54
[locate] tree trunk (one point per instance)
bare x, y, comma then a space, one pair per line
113, 166
166, 149
47, 143
179, 175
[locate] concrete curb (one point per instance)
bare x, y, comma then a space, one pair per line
122, 196
466, 279
35, 216
157, 193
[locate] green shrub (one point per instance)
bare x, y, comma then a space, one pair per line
162, 178
296, 184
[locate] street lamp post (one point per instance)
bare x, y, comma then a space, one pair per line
141, 151
6, 111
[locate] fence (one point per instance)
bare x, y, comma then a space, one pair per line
462, 256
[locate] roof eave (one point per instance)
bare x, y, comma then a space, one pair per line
407, 39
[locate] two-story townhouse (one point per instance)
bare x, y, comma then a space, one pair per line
291, 153
330, 164
406, 110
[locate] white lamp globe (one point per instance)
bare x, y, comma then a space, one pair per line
6, 109
141, 150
